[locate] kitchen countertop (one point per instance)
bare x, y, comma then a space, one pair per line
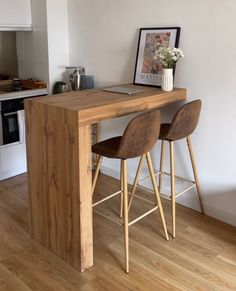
22, 94
94, 105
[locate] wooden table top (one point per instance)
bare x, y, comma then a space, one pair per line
95, 105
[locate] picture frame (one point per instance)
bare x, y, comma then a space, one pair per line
148, 71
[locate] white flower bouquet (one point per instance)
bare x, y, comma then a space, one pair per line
168, 57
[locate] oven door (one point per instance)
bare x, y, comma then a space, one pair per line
10, 127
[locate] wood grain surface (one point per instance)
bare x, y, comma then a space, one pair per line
95, 105
202, 257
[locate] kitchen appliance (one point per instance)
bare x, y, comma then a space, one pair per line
59, 87
16, 84
76, 77
89, 82
10, 126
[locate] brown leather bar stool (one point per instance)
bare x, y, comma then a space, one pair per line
138, 139
182, 126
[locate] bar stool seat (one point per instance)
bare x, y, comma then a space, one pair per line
138, 139
108, 148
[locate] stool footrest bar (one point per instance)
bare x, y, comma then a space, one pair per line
142, 216
106, 198
185, 190
178, 194
179, 177
169, 197
141, 198
148, 177
168, 174
131, 222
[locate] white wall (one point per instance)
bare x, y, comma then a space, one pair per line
103, 38
58, 49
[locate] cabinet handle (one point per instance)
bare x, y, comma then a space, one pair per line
10, 113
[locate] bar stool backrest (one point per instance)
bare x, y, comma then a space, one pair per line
140, 135
185, 120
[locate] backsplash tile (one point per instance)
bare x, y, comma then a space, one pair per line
8, 54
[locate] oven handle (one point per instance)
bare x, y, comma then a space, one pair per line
10, 113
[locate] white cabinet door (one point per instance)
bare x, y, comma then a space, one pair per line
15, 13
12, 160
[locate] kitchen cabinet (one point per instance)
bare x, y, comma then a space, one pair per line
15, 15
13, 147
12, 160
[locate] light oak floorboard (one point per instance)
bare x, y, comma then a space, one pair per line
202, 257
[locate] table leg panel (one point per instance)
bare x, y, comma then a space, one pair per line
59, 167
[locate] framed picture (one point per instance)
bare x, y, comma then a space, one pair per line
148, 71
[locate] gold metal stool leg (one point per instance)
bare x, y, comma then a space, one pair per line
194, 167
126, 222
162, 157
96, 173
150, 166
172, 176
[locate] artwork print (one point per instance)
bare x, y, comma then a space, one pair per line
153, 41
148, 71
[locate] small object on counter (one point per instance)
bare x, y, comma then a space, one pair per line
89, 81
86, 82
76, 76
16, 84
59, 87
82, 82
33, 84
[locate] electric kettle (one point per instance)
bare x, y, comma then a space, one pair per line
76, 76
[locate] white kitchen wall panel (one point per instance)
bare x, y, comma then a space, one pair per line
15, 15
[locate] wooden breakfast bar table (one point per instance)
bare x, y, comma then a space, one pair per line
58, 137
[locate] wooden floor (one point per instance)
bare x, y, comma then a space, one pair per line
202, 257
